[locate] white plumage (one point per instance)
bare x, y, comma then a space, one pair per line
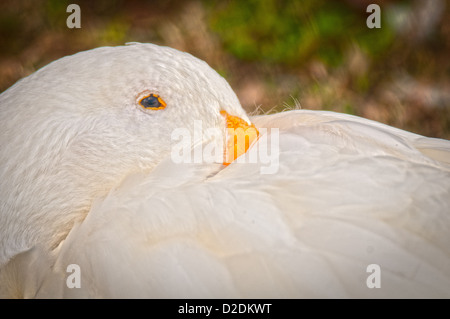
79, 159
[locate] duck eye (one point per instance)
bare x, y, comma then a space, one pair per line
152, 102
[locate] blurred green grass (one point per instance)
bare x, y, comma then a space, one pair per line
274, 53
292, 32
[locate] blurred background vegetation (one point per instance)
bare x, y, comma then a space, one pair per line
273, 53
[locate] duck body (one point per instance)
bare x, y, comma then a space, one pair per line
316, 204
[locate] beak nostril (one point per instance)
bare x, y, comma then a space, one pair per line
240, 136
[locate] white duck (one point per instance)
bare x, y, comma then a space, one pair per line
88, 178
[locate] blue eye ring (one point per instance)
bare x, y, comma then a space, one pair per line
152, 102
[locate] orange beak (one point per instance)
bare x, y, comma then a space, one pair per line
240, 136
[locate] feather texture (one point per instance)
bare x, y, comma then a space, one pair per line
343, 193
